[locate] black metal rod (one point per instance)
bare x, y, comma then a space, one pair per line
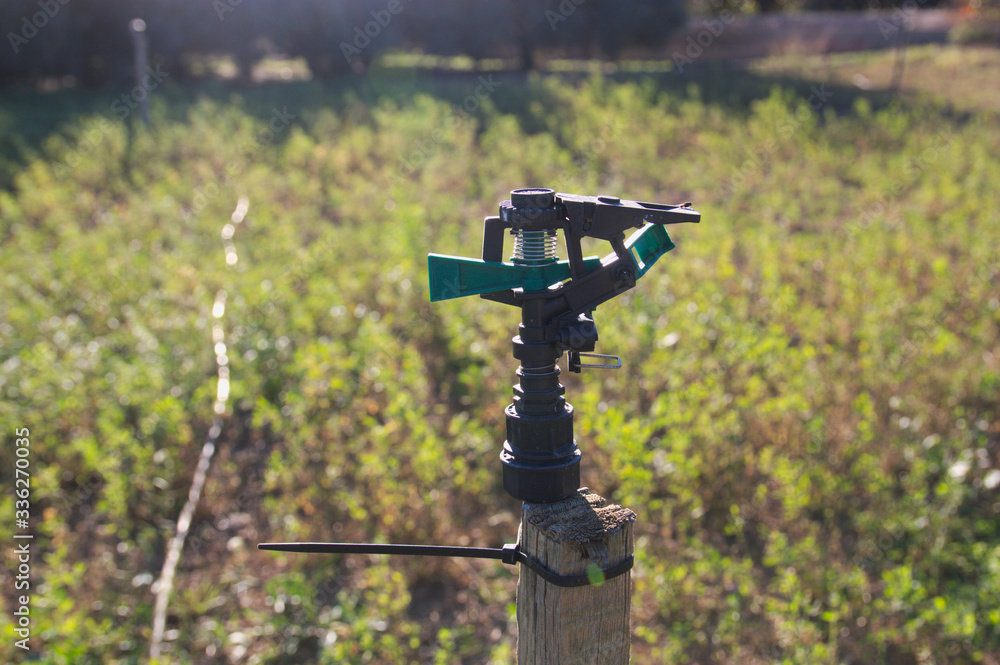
510, 554
375, 548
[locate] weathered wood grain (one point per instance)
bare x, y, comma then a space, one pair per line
582, 625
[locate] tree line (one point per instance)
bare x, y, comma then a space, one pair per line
89, 39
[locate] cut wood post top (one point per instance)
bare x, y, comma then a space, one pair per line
581, 534
581, 517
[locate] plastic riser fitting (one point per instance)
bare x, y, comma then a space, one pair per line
539, 402
541, 462
538, 392
539, 436
534, 355
540, 484
541, 379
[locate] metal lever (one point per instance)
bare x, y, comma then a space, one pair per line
575, 365
510, 554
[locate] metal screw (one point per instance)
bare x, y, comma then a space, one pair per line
624, 276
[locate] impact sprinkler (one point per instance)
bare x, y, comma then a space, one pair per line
540, 459
541, 462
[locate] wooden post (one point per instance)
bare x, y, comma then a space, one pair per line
568, 626
140, 45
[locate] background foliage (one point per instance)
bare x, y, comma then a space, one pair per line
87, 39
807, 422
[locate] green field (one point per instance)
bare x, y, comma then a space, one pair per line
807, 423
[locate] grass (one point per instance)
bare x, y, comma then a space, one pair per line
959, 77
807, 422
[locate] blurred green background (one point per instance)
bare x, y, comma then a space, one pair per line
807, 423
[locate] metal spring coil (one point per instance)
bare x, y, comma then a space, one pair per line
534, 247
